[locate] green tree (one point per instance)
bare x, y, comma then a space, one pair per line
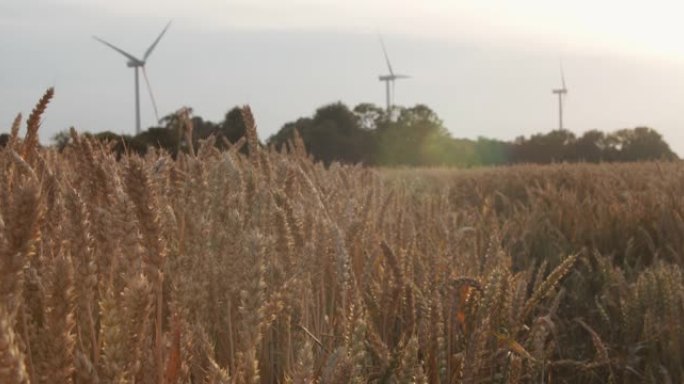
202, 129
545, 148
233, 126
61, 140
286, 133
334, 133
641, 143
417, 137
370, 115
492, 152
158, 137
592, 147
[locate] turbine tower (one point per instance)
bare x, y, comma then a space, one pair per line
138, 64
561, 92
389, 79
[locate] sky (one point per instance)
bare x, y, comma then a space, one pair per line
485, 67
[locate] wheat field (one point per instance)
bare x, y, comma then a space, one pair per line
221, 267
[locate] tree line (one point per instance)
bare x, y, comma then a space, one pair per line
405, 136
416, 136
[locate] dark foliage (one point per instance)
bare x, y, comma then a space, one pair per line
417, 137
407, 136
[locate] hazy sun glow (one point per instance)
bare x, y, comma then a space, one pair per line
641, 27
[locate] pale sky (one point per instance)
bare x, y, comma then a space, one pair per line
486, 67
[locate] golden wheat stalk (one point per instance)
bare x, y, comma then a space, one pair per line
32, 124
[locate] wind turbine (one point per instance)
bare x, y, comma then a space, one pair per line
389, 78
137, 64
561, 92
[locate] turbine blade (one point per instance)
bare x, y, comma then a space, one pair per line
563, 78
154, 44
384, 50
149, 90
121, 51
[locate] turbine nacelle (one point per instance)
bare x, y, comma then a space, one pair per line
393, 77
389, 79
561, 92
386, 78
134, 62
